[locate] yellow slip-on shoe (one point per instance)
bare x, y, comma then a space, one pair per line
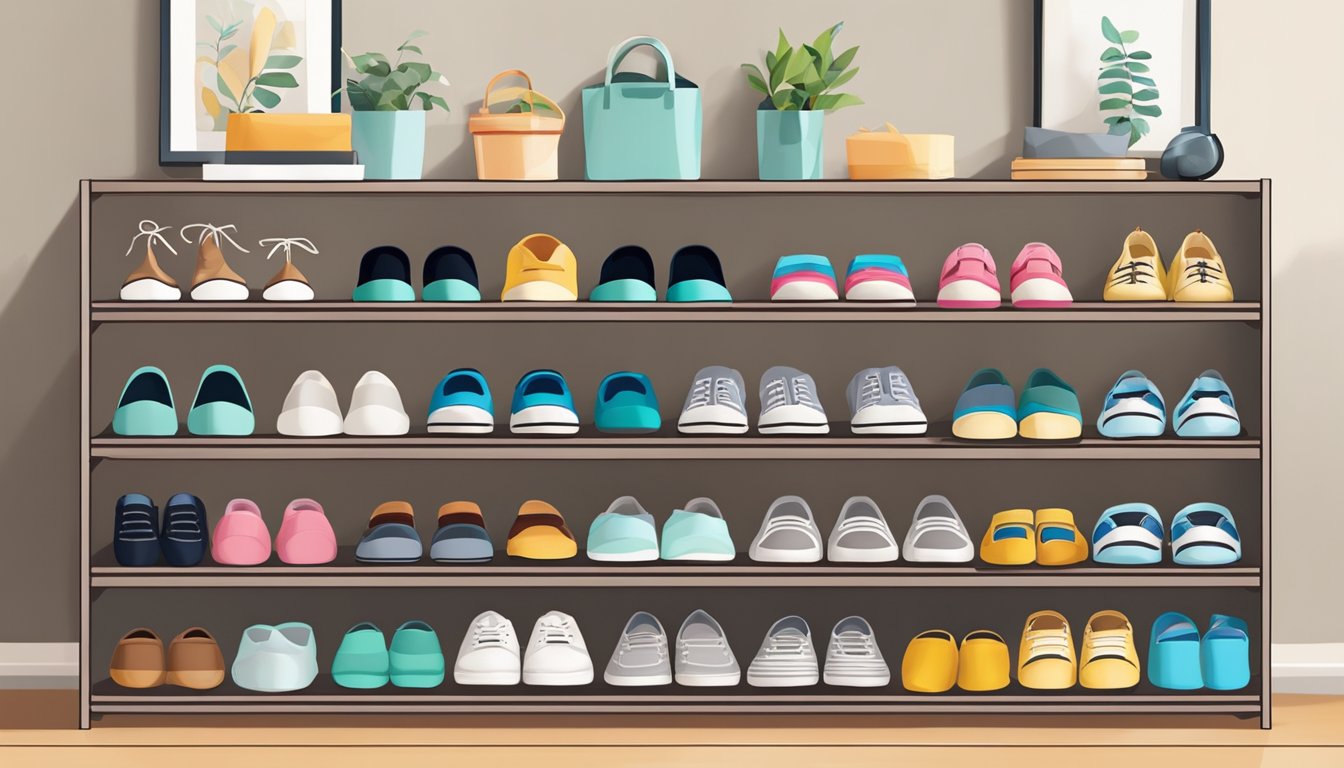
930, 662
541, 268
1058, 540
1045, 659
1109, 658
540, 533
1197, 272
1010, 539
1138, 275
984, 662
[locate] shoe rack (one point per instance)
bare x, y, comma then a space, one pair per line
749, 224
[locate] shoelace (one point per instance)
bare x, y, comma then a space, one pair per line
154, 232
1132, 272
1200, 270
712, 643
496, 634
787, 645
853, 644
870, 392
637, 640
1049, 645
716, 391
287, 243
211, 231
554, 633
901, 389
779, 392
802, 393
1108, 642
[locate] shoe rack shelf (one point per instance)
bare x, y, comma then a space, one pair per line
1237, 335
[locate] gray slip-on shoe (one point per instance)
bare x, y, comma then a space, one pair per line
786, 658
937, 534
703, 655
788, 534
641, 656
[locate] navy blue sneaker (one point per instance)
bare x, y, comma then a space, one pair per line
450, 275
627, 275
186, 534
136, 525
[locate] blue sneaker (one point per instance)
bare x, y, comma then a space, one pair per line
625, 533
136, 531
1208, 409
450, 275
626, 404
1128, 534
461, 405
986, 409
186, 533
146, 405
697, 532
221, 405
696, 275
391, 536
627, 275
1205, 534
542, 405
1133, 408
384, 275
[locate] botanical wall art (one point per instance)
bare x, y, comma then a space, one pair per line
223, 57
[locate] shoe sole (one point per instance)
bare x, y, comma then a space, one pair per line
509, 677
1050, 426
219, 290
985, 425
856, 681
583, 677
917, 555
643, 555
969, 294
1132, 424
786, 681
783, 556
539, 290
1209, 425
638, 680
703, 557
544, 420
460, 429
711, 428
718, 680
891, 428
150, 290
138, 678
881, 290
881, 555
1040, 293
805, 290
793, 428
288, 290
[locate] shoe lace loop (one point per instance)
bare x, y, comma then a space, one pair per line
494, 634
787, 645
802, 393
287, 243
854, 644
154, 232
554, 633
702, 642
214, 232
871, 390
900, 388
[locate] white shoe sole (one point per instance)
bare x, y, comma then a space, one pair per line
288, 290
711, 428
804, 290
539, 290
712, 420
502, 677
969, 290
544, 420
1041, 289
638, 680
720, 680
703, 557
845, 555
219, 290
578, 677
918, 555
785, 556
856, 681
460, 420
787, 681
150, 290
880, 290
377, 421
890, 429
309, 421
793, 428
889, 420
793, 420
641, 556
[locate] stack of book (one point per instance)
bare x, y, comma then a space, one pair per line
1080, 168
261, 147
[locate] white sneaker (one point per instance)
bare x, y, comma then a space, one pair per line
641, 656
789, 404
311, 408
861, 535
489, 653
556, 654
937, 534
786, 657
853, 658
375, 408
788, 534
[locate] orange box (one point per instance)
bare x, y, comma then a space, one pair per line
288, 133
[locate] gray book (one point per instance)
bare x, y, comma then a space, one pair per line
1043, 143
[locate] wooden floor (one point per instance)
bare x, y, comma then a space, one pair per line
1308, 732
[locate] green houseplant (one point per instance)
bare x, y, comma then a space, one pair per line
800, 86
1124, 85
389, 132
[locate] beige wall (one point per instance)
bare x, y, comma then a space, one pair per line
84, 103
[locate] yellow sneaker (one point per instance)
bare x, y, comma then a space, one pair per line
1110, 659
1010, 539
930, 662
1138, 275
1045, 659
541, 268
984, 662
540, 533
1058, 540
1197, 272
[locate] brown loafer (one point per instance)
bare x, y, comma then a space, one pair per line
194, 660
138, 661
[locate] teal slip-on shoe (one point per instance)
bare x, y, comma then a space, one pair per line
697, 532
145, 407
384, 275
1225, 654
696, 275
985, 409
626, 404
450, 275
276, 659
1173, 653
1048, 408
362, 660
624, 533
221, 405
415, 657
627, 275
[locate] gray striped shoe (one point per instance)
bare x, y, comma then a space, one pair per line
786, 657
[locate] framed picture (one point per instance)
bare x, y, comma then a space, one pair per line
222, 57
1136, 67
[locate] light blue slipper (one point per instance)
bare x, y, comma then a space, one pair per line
1173, 653
1225, 654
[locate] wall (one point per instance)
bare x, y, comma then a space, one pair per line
88, 107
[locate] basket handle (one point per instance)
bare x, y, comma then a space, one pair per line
527, 94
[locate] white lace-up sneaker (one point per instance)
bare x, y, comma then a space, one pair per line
882, 402
489, 653
716, 404
556, 654
789, 404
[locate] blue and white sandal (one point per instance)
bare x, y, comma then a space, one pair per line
1128, 534
1205, 534
1133, 408
1208, 409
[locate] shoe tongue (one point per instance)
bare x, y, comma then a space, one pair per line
552, 621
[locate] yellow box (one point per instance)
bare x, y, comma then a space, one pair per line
288, 133
890, 154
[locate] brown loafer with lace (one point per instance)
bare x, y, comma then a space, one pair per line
215, 280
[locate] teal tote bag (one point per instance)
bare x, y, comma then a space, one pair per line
639, 127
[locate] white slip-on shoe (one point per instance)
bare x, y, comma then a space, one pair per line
789, 404
882, 402
937, 534
786, 658
489, 654
788, 534
716, 404
641, 656
556, 654
861, 535
375, 408
311, 408
853, 659
704, 658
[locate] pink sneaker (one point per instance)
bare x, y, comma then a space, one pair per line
305, 536
1038, 278
969, 279
241, 537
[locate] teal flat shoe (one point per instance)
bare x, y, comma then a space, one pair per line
362, 660
627, 275
1173, 653
415, 658
145, 407
697, 532
626, 404
384, 275
276, 659
450, 275
1225, 654
1048, 408
696, 275
221, 405
624, 533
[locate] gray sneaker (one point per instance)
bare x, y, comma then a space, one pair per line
786, 657
789, 404
641, 655
788, 534
882, 402
716, 404
937, 534
861, 535
703, 655
853, 658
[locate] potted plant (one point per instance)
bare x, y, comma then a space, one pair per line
388, 133
799, 90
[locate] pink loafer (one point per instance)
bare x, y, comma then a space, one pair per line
241, 537
1037, 279
305, 536
969, 279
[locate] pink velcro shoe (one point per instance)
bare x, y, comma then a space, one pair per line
1038, 278
241, 537
305, 536
969, 279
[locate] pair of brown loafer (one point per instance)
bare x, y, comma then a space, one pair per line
214, 280
193, 660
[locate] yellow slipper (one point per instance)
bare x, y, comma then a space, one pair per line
1109, 657
1138, 275
1058, 540
1045, 659
930, 662
984, 662
541, 268
1198, 272
1010, 539
540, 533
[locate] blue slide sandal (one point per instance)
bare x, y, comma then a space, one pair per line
1174, 653
1225, 654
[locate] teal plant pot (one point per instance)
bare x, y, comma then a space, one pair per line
788, 144
390, 144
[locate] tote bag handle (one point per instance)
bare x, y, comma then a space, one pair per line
619, 51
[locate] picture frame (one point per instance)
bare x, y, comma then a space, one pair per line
201, 41
1171, 75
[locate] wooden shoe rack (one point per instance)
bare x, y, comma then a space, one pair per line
749, 224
